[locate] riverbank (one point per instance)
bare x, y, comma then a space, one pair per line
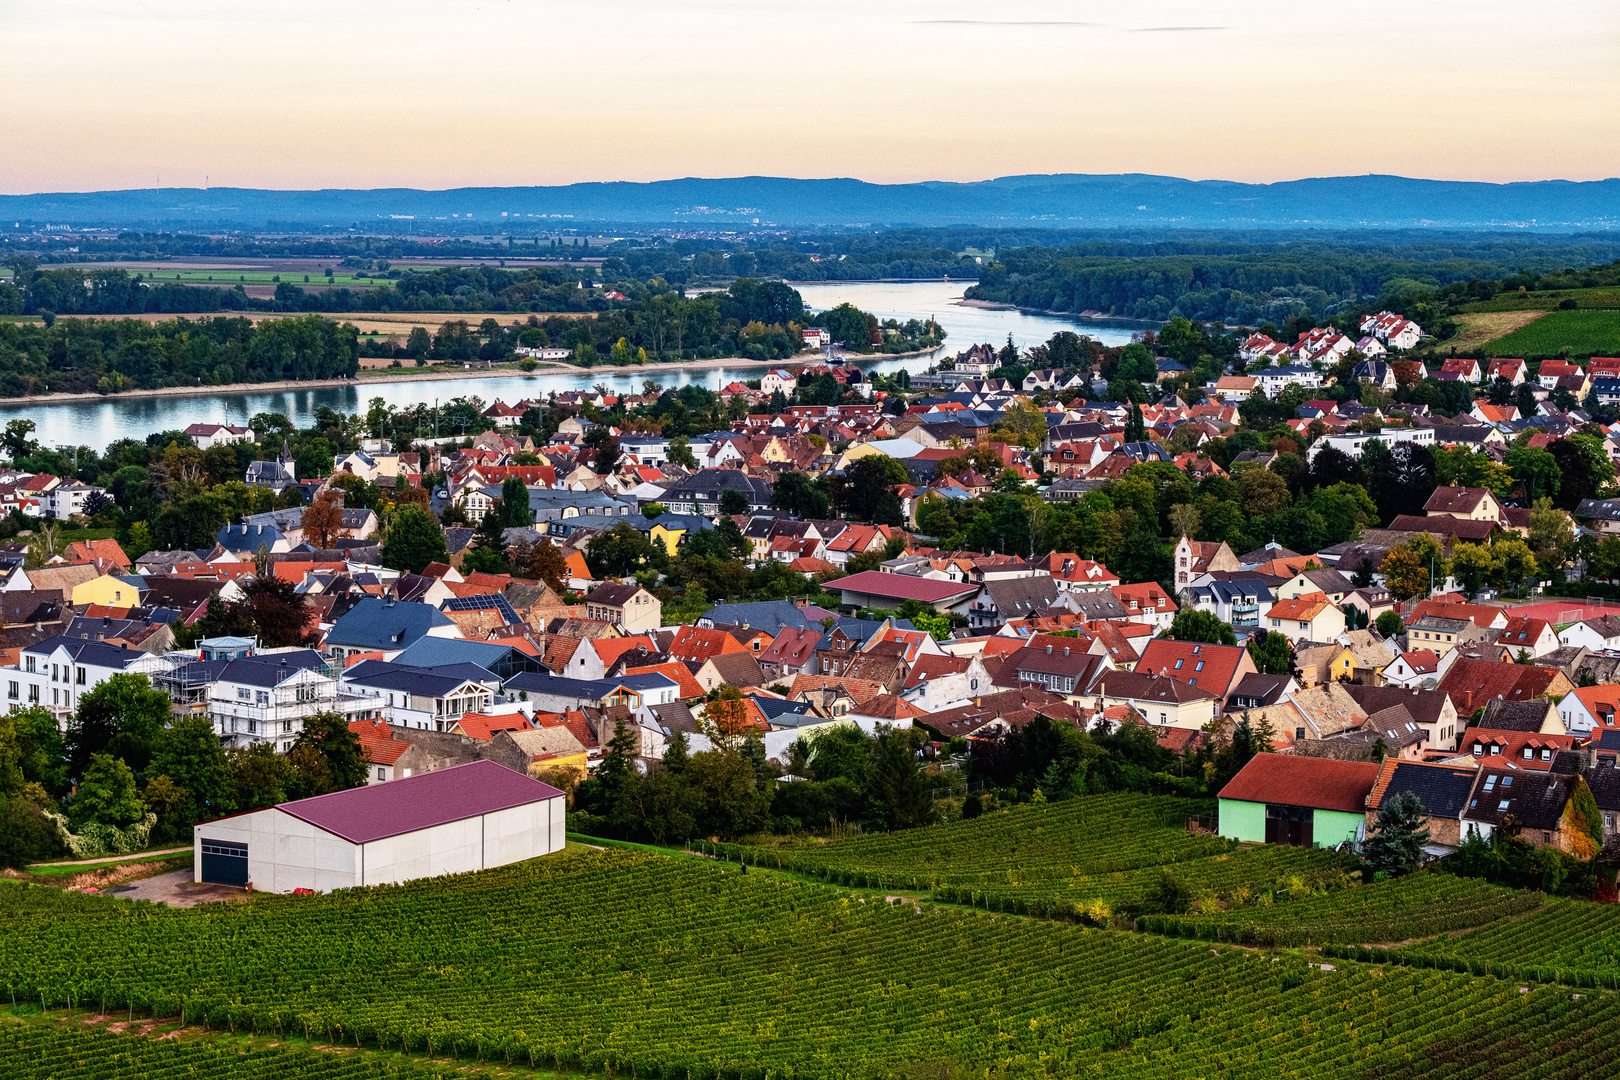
390, 376
1098, 316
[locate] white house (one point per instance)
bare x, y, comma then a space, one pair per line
67, 499
936, 682
1274, 381
268, 696
451, 821
1589, 708
1599, 635
816, 337
780, 379
1355, 444
57, 672
1413, 668
208, 436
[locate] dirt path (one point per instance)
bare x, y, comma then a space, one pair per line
118, 858
175, 889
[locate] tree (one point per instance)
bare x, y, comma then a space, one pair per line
1261, 492
896, 781
413, 540
1395, 845
258, 776
680, 453
189, 755
323, 521
800, 495
1193, 625
1471, 565
548, 564
1513, 562
1552, 536
1184, 518
1536, 469
1272, 653
1135, 429
1389, 624
1404, 574
17, 441
32, 751
273, 610
865, 484
107, 794
602, 440
619, 552
325, 757
1582, 821
122, 717
515, 510
733, 501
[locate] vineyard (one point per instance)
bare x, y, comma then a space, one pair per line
1067, 859
1569, 941
1587, 332
620, 963
36, 1053
1422, 905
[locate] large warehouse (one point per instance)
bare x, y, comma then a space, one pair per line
469, 817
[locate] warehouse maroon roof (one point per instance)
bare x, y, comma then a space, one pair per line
1320, 783
901, 587
361, 815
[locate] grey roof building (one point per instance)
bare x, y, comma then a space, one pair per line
768, 615
594, 507
386, 625
700, 492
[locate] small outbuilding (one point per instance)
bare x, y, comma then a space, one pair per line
1298, 801
470, 817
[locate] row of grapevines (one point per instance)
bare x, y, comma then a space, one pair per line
1418, 906
1569, 941
40, 1053
663, 968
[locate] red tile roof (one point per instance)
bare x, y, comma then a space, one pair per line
485, 726
791, 647
698, 644
1182, 660
680, 673
1320, 783
901, 587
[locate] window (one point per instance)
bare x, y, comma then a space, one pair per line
79, 676
382, 773
11, 691
53, 672
253, 727
31, 661
33, 693
1163, 719
262, 698
244, 694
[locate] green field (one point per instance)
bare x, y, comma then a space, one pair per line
1588, 333
1085, 857
620, 964
1547, 301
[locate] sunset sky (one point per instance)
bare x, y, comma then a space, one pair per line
407, 93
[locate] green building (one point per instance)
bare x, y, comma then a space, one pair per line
1301, 801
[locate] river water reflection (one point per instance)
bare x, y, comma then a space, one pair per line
98, 423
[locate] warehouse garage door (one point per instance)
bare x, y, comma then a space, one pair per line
224, 863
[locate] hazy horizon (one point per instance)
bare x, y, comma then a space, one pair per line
302, 96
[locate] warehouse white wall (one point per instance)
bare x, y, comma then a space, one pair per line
285, 853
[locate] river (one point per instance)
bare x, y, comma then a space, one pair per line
97, 423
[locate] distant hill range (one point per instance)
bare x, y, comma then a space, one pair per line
1061, 201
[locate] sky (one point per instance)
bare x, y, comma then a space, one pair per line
105, 94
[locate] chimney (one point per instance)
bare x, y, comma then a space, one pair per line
1065, 650
1049, 650
1467, 702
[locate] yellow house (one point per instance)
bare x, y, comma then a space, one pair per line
106, 589
671, 529
853, 453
